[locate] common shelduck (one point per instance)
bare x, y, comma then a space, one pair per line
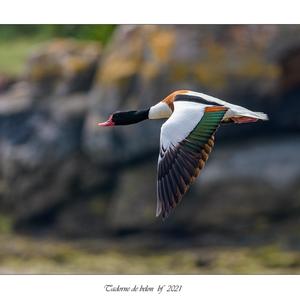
186, 138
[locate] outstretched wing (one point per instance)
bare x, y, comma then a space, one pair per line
187, 139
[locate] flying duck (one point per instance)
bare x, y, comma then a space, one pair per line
186, 139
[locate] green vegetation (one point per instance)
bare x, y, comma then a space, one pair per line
5, 224
85, 32
27, 255
18, 41
13, 54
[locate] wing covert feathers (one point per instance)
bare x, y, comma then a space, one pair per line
180, 164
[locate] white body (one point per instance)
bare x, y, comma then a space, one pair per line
183, 120
186, 116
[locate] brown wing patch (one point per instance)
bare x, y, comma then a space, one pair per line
170, 98
215, 108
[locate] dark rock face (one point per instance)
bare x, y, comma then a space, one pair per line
62, 172
62, 67
42, 163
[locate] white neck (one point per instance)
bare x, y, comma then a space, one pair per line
160, 110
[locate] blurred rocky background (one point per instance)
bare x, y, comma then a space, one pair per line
75, 197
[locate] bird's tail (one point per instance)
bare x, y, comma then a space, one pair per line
240, 115
250, 117
260, 115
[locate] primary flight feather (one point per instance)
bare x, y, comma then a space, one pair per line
186, 139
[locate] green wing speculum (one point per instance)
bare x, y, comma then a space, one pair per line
181, 164
204, 129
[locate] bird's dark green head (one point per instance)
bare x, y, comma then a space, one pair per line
125, 118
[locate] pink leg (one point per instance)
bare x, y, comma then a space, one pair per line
244, 119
